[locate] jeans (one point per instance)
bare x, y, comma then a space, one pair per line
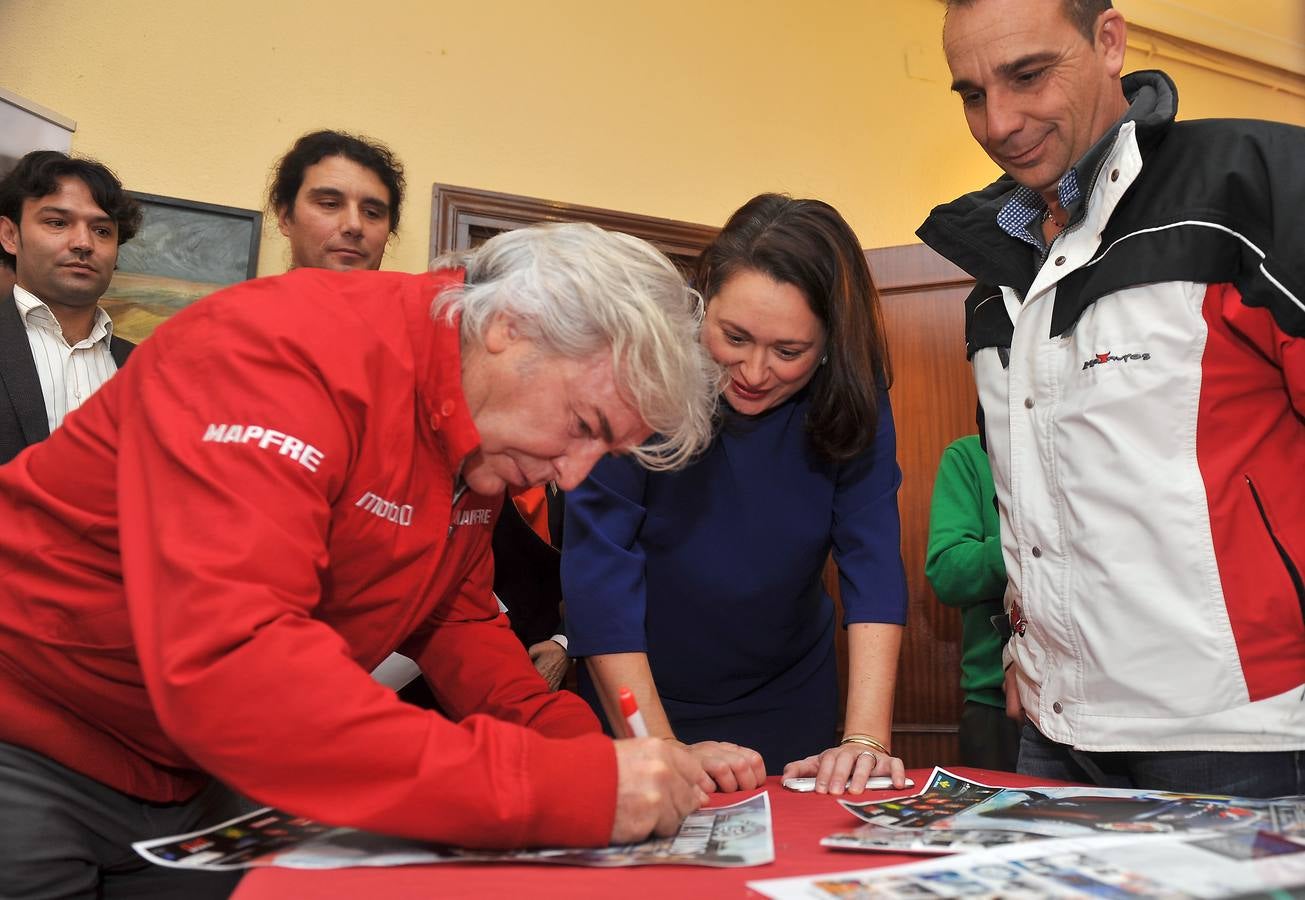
1277, 773
989, 739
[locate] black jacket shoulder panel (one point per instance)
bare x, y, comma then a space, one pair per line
1218, 201
987, 324
988, 254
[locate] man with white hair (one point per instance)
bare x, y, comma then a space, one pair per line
295, 477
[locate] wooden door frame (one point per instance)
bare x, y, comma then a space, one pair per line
458, 212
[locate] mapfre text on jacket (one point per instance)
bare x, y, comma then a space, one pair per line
266, 438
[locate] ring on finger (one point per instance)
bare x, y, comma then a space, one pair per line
874, 757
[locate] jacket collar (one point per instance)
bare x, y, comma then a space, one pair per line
437, 347
965, 230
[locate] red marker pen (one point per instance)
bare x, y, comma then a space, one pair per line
630, 710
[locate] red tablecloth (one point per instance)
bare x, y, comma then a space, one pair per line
800, 821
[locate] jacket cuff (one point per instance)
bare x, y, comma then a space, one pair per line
573, 786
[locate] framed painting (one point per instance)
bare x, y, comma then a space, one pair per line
184, 250
463, 217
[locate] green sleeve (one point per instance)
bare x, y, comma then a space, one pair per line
963, 560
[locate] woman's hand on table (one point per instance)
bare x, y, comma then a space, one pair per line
657, 785
729, 767
845, 768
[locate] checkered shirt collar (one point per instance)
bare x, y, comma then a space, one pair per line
1024, 210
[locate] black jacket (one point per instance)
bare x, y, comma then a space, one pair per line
23, 417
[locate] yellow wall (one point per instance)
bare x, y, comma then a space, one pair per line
678, 108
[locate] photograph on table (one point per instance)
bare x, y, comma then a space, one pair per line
1120, 866
732, 836
953, 814
944, 796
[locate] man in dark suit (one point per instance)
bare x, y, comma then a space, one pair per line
62, 220
528, 581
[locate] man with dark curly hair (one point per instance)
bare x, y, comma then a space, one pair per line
62, 220
336, 198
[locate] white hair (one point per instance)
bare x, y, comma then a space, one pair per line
577, 291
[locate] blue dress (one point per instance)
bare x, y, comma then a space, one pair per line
715, 573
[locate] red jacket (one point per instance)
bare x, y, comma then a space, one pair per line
199, 569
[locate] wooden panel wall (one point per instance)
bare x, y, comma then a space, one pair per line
933, 399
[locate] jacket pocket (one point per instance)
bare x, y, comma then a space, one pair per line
1293, 570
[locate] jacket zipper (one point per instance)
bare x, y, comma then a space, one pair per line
1292, 571
459, 489
1087, 195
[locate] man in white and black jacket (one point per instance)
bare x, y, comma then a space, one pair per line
1138, 339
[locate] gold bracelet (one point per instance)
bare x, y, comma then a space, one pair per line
867, 740
865, 737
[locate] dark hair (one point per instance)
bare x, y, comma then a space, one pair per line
316, 146
1082, 14
38, 174
807, 244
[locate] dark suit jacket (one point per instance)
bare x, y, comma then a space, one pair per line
23, 417
527, 577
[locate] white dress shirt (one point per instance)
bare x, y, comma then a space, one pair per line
69, 373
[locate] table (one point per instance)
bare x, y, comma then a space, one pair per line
799, 822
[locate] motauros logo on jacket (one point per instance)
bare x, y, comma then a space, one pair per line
1108, 357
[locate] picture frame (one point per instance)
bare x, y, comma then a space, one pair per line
26, 125
466, 217
184, 250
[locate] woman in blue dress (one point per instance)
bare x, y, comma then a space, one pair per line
701, 589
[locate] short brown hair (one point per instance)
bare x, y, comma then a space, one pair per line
1082, 14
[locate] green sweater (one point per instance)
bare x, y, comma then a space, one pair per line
964, 563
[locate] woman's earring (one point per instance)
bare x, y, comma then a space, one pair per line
824, 359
